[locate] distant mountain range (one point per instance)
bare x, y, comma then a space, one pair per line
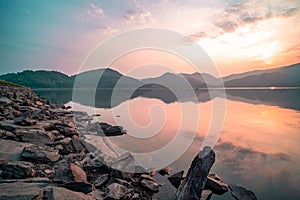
288, 76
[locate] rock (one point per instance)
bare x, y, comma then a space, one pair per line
206, 195
78, 187
119, 181
11, 150
114, 131
58, 193
17, 169
165, 171
175, 179
77, 144
40, 154
147, 177
25, 119
101, 180
166, 191
241, 193
20, 190
215, 184
37, 137
196, 178
150, 185
38, 103
116, 191
66, 172
5, 100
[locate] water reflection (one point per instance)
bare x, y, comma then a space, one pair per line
285, 98
258, 148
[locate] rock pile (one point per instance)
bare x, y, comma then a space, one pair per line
51, 152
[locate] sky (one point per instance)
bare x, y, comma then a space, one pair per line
238, 35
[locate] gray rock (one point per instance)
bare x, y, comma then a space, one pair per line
116, 191
5, 100
76, 142
175, 179
40, 154
194, 183
78, 187
166, 191
101, 180
119, 181
17, 169
20, 190
241, 193
11, 150
33, 136
150, 185
215, 184
206, 195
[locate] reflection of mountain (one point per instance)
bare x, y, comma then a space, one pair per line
286, 98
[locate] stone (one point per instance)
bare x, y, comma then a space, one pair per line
147, 177
58, 193
76, 142
150, 185
206, 195
40, 154
166, 191
11, 150
67, 172
215, 184
38, 103
165, 171
114, 131
116, 191
195, 181
20, 190
5, 100
101, 180
83, 187
17, 170
175, 179
34, 136
119, 181
241, 193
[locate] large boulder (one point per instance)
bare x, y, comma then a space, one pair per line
40, 154
20, 190
58, 193
11, 150
34, 136
194, 183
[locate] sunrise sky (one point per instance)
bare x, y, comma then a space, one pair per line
238, 35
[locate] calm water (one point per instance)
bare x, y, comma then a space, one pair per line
258, 147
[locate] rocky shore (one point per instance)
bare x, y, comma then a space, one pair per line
50, 152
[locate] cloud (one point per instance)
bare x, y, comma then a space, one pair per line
108, 30
141, 17
245, 13
95, 11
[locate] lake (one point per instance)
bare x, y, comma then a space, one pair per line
258, 146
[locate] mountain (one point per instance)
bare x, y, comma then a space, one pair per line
54, 79
288, 76
39, 79
170, 80
106, 78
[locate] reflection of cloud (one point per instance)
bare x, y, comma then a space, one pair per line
139, 17
95, 11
